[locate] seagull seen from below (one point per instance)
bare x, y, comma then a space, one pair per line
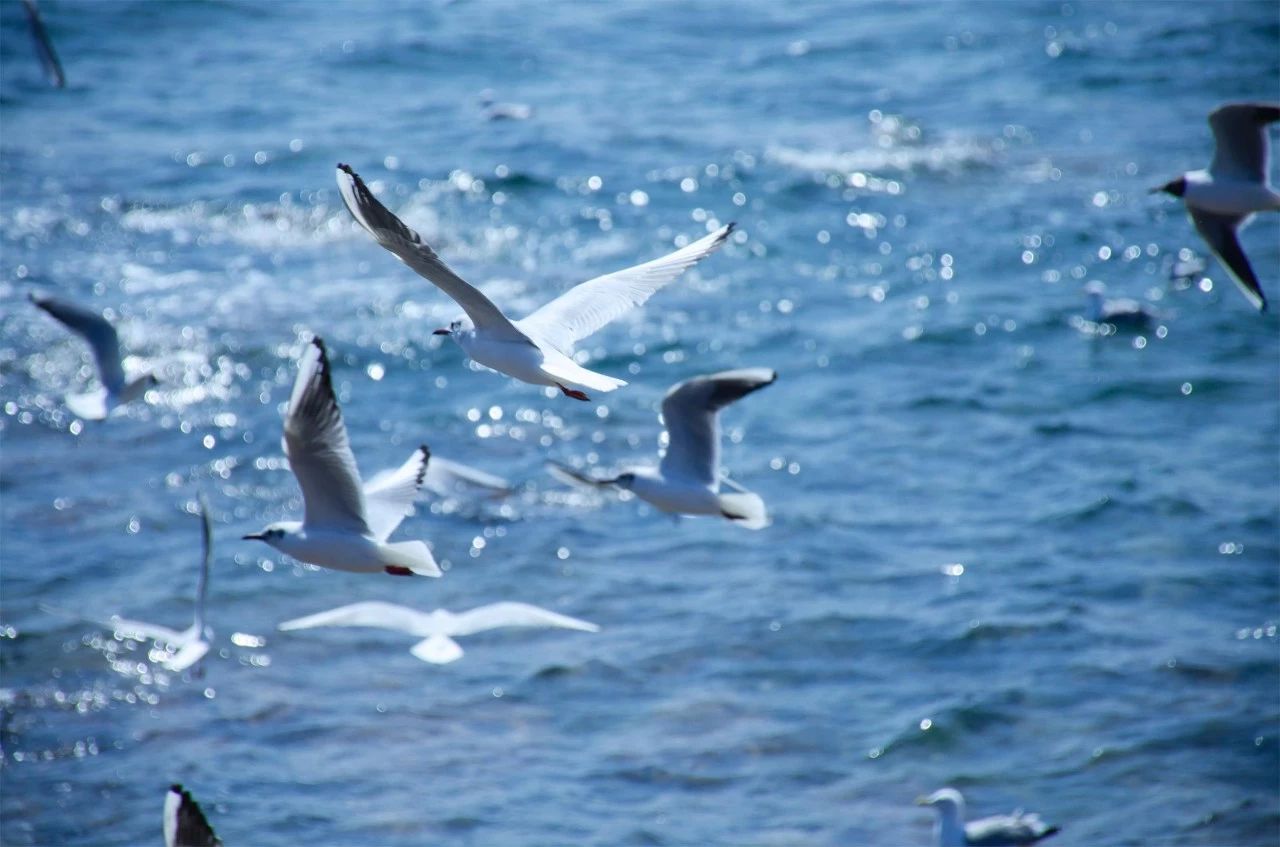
688, 479
184, 823
1015, 830
438, 628
105, 345
537, 349
345, 525
1223, 198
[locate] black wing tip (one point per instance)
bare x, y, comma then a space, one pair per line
346, 169
1053, 830
728, 229
177, 787
422, 468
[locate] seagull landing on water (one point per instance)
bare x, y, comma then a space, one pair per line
1121, 313
687, 482
438, 628
184, 823
1015, 830
344, 526
105, 344
1223, 198
537, 349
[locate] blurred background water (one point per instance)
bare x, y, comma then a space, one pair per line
1036, 565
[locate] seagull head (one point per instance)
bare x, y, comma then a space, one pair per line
945, 799
625, 480
461, 325
271, 533
1177, 187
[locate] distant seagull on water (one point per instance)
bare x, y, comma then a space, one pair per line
1223, 198
1122, 313
105, 344
345, 525
537, 349
184, 823
438, 628
687, 482
1015, 830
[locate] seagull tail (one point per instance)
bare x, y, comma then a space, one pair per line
438, 650
90, 406
413, 555
744, 508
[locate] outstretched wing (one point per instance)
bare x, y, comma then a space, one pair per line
390, 494
184, 823
444, 475
94, 329
371, 613
1222, 233
315, 440
1240, 139
392, 233
497, 615
585, 308
691, 413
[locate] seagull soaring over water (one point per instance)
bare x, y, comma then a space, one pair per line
438, 628
687, 482
537, 349
105, 344
184, 823
345, 525
1015, 830
1223, 198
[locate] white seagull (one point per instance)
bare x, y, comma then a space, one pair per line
1122, 313
445, 478
105, 344
184, 823
345, 526
537, 349
1223, 198
687, 481
1015, 830
438, 628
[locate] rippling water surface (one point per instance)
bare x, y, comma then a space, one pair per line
1006, 556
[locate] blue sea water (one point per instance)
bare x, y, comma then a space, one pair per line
1006, 556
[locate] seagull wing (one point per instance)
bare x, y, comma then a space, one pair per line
392, 233
315, 440
371, 613
585, 308
95, 329
1240, 139
691, 413
390, 494
44, 46
444, 475
191, 652
184, 823
1014, 830
142, 631
497, 615
1221, 232
569, 476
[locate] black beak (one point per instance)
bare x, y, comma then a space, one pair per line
442, 332
254, 536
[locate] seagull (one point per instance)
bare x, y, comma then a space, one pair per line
444, 478
184, 824
497, 111
437, 628
184, 648
345, 526
1015, 830
105, 344
1223, 198
44, 45
537, 349
687, 482
1121, 313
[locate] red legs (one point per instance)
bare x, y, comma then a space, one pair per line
574, 393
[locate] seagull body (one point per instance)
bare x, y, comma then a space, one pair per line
105, 345
1015, 830
1122, 312
438, 628
346, 525
184, 823
688, 479
1225, 196
537, 349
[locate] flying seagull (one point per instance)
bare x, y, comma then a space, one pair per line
688, 480
345, 526
184, 824
438, 628
1015, 830
105, 344
537, 349
1223, 198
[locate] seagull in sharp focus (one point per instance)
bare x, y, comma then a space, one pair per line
1122, 313
1015, 830
345, 525
105, 344
537, 349
688, 479
184, 823
438, 628
1224, 198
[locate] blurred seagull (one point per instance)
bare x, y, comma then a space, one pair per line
344, 527
1121, 313
445, 478
687, 482
184, 824
537, 349
105, 344
1223, 198
44, 45
438, 628
498, 111
1015, 830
